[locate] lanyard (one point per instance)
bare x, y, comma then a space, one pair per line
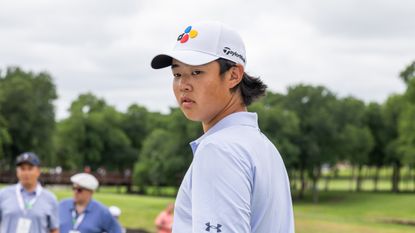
25, 206
77, 220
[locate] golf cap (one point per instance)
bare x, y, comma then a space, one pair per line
85, 180
28, 157
204, 42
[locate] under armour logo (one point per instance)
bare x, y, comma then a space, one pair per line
217, 227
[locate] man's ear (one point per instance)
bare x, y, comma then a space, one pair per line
236, 74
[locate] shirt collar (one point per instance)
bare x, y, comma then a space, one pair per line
249, 119
87, 208
23, 190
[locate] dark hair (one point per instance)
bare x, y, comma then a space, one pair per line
251, 87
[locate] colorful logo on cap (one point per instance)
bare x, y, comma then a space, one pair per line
188, 33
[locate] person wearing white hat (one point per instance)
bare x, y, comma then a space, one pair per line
237, 182
115, 211
84, 214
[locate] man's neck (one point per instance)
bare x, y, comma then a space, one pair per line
235, 104
80, 206
29, 187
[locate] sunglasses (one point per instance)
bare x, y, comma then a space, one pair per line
77, 189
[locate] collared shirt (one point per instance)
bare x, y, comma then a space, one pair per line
41, 208
97, 218
28, 197
237, 182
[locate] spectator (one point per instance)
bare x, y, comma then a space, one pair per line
83, 214
164, 220
27, 207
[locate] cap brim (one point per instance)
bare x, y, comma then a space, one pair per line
193, 58
27, 162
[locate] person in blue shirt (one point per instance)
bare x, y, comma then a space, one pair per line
237, 181
82, 214
27, 207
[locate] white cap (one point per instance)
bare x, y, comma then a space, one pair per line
115, 211
203, 42
85, 180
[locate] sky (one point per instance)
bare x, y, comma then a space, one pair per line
352, 47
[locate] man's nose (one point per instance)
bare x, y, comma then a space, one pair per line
185, 83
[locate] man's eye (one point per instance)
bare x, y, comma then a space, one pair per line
177, 75
196, 72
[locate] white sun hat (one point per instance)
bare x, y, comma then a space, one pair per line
115, 211
204, 42
85, 180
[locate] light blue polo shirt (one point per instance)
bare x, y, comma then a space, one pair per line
97, 218
43, 212
237, 182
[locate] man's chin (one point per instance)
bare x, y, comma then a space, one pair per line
190, 116
25, 182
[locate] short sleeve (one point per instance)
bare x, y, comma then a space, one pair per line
111, 225
221, 190
1, 205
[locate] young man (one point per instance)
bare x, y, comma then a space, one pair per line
82, 213
27, 207
237, 182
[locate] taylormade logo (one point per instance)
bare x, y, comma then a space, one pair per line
228, 51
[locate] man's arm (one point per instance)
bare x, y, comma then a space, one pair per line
53, 217
111, 224
1, 211
221, 193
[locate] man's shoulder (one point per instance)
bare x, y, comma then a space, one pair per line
239, 135
100, 208
235, 132
66, 202
96, 205
8, 188
49, 195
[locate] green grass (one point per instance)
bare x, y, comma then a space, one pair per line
367, 184
340, 212
337, 211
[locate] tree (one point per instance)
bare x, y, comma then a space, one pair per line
167, 148
5, 139
406, 127
318, 139
93, 136
358, 142
185, 131
152, 167
26, 105
391, 112
408, 73
376, 125
136, 124
355, 138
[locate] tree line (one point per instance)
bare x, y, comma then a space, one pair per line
311, 126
